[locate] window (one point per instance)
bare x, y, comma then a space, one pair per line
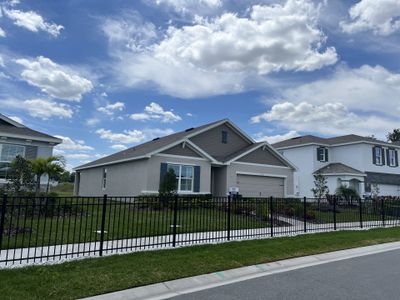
7, 154
322, 154
378, 156
184, 177
104, 179
392, 157
224, 137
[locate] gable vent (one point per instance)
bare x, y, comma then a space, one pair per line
189, 129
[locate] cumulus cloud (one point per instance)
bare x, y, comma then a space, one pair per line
46, 109
92, 121
16, 119
70, 144
228, 53
191, 7
260, 137
118, 147
2, 32
132, 136
379, 16
56, 80
32, 21
111, 108
154, 111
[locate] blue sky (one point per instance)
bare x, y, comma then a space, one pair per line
106, 75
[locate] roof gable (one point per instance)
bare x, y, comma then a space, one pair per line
182, 149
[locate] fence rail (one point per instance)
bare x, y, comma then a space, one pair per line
37, 229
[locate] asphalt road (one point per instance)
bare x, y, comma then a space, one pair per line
374, 277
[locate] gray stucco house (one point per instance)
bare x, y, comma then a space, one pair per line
17, 139
207, 159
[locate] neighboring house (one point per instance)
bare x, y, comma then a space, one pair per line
206, 159
351, 160
17, 139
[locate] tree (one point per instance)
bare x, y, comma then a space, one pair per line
168, 184
42, 166
321, 188
54, 170
348, 193
375, 190
21, 176
394, 136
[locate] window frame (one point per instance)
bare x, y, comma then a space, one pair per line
179, 177
323, 156
15, 145
392, 156
379, 158
224, 137
104, 179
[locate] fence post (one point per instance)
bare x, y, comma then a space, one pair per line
361, 211
305, 214
334, 212
271, 212
103, 224
383, 212
175, 220
229, 218
2, 218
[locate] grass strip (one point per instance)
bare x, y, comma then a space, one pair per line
102, 275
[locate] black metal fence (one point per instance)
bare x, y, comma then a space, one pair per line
36, 229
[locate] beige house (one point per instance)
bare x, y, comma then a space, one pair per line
207, 159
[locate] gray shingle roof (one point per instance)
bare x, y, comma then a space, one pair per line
308, 139
145, 148
338, 168
241, 151
22, 131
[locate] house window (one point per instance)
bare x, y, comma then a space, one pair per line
379, 156
184, 177
104, 179
322, 154
224, 137
392, 157
7, 154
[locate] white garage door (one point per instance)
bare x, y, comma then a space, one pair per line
260, 186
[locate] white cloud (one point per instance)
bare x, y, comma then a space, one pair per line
154, 111
118, 147
189, 114
227, 54
45, 109
2, 32
79, 156
32, 21
16, 119
92, 121
70, 144
380, 16
272, 139
110, 108
192, 7
132, 136
56, 80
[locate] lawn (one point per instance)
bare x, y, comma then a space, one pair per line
100, 275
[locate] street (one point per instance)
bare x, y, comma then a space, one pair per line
375, 276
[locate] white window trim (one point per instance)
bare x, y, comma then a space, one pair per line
379, 158
392, 157
179, 176
323, 158
1, 146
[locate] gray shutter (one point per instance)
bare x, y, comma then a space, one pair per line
373, 155
326, 154
383, 156
396, 158
196, 184
163, 171
387, 157
319, 152
31, 152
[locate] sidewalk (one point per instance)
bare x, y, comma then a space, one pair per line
197, 283
61, 253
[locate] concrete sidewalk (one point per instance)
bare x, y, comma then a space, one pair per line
197, 283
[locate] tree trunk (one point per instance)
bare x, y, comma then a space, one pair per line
37, 185
48, 185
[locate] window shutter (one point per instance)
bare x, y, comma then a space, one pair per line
163, 171
31, 152
326, 154
383, 156
387, 157
319, 152
374, 155
396, 158
196, 179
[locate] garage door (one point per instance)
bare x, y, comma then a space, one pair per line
260, 186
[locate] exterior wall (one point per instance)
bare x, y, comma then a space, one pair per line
125, 179
211, 142
285, 172
220, 183
260, 156
179, 150
153, 172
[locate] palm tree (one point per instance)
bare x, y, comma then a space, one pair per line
42, 166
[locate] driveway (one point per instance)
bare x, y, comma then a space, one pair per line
375, 276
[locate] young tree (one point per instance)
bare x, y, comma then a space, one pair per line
42, 166
21, 175
53, 171
348, 193
375, 190
168, 184
394, 136
321, 189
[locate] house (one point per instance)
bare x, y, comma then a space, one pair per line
207, 159
352, 160
17, 139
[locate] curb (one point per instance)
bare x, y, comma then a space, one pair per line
187, 285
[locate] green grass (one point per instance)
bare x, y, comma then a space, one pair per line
101, 275
65, 189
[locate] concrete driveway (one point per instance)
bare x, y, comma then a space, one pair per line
375, 276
